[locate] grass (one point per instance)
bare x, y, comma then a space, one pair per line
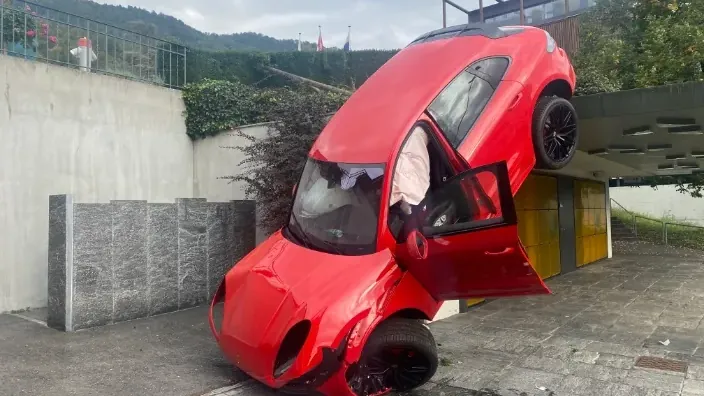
679, 233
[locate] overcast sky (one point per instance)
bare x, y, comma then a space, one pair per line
375, 23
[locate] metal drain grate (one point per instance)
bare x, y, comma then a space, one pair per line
657, 363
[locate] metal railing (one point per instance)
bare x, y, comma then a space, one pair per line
37, 33
667, 227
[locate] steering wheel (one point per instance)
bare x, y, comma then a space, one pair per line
441, 215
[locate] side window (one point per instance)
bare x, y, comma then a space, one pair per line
478, 198
459, 105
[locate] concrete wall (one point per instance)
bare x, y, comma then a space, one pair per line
216, 158
663, 202
124, 260
99, 138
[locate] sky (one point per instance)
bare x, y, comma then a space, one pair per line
380, 24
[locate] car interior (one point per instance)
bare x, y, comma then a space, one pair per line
436, 203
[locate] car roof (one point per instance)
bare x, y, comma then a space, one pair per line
378, 115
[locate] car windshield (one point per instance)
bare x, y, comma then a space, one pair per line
336, 208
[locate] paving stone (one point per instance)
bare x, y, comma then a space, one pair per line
525, 380
628, 390
648, 379
681, 320
693, 387
616, 349
581, 386
695, 371
599, 372
617, 361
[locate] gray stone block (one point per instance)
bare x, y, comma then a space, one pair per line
192, 252
221, 243
245, 227
162, 258
129, 260
92, 266
60, 221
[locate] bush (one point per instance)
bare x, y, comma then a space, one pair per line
214, 106
272, 165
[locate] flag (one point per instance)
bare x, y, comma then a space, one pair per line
299, 42
347, 43
320, 39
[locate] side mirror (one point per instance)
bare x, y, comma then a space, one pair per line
295, 187
417, 245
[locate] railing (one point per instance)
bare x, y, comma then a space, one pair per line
667, 228
37, 33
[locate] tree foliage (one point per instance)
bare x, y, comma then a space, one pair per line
272, 165
627, 44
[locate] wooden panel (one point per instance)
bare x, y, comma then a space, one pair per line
565, 32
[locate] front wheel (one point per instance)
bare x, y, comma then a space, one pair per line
555, 134
400, 355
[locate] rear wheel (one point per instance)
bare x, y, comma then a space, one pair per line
400, 355
555, 134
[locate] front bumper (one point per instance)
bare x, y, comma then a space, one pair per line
327, 377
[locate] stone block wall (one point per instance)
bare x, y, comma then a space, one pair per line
124, 260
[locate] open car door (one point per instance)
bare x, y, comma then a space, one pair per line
476, 252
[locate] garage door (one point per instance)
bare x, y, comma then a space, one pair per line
590, 221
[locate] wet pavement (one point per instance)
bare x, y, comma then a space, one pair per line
582, 340
171, 354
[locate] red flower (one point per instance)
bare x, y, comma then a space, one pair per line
53, 39
45, 29
31, 33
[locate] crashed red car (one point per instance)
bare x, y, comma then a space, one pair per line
336, 300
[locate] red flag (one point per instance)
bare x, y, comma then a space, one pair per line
320, 39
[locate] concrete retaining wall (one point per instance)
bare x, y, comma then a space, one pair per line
97, 137
666, 201
123, 260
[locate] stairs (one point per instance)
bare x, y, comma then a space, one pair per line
621, 231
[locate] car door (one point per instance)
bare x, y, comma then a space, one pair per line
478, 253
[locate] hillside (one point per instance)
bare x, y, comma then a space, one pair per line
169, 28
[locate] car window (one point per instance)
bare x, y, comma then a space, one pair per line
459, 105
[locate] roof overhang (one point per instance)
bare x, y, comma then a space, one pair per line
641, 132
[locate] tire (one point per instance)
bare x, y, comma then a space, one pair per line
549, 151
416, 349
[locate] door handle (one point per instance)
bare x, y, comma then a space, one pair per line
515, 101
505, 251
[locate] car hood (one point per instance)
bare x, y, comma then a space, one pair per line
281, 283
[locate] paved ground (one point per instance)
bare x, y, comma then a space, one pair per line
584, 339
166, 355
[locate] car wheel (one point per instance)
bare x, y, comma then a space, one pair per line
400, 355
555, 133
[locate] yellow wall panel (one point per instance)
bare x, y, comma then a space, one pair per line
474, 301
538, 223
590, 221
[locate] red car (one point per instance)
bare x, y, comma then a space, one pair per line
336, 300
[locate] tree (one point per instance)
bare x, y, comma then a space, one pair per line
272, 165
626, 44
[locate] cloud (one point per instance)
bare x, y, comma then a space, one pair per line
375, 23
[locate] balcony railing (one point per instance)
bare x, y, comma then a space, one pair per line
37, 33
